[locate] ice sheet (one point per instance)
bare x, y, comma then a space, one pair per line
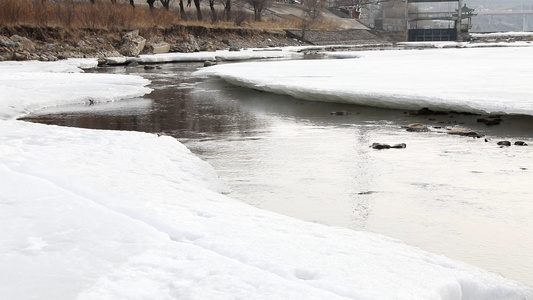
490, 80
29, 86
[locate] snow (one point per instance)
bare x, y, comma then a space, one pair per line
29, 86
503, 34
489, 80
244, 54
452, 44
116, 60
221, 55
93, 214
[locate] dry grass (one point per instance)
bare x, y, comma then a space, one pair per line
107, 16
325, 24
82, 15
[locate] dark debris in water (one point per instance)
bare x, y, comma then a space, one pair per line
367, 193
380, 146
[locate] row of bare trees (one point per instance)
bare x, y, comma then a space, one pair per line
312, 8
258, 7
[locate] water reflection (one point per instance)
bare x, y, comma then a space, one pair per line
186, 106
295, 158
178, 111
362, 200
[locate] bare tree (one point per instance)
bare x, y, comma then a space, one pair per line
198, 10
132, 3
258, 6
165, 3
182, 9
311, 13
150, 3
227, 9
312, 9
213, 11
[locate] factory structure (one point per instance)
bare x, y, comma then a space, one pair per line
451, 21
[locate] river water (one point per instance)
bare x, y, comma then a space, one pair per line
466, 198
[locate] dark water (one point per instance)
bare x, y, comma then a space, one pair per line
185, 107
461, 197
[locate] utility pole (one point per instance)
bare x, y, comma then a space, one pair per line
406, 16
459, 21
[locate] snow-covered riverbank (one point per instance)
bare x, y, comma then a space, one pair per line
105, 214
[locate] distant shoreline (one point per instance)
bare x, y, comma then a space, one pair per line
52, 43
20, 43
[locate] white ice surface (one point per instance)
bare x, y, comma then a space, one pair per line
217, 55
29, 86
452, 44
94, 214
491, 80
503, 34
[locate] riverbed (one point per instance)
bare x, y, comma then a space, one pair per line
463, 197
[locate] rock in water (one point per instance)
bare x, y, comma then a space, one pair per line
490, 121
464, 132
380, 146
341, 113
209, 63
425, 111
416, 127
